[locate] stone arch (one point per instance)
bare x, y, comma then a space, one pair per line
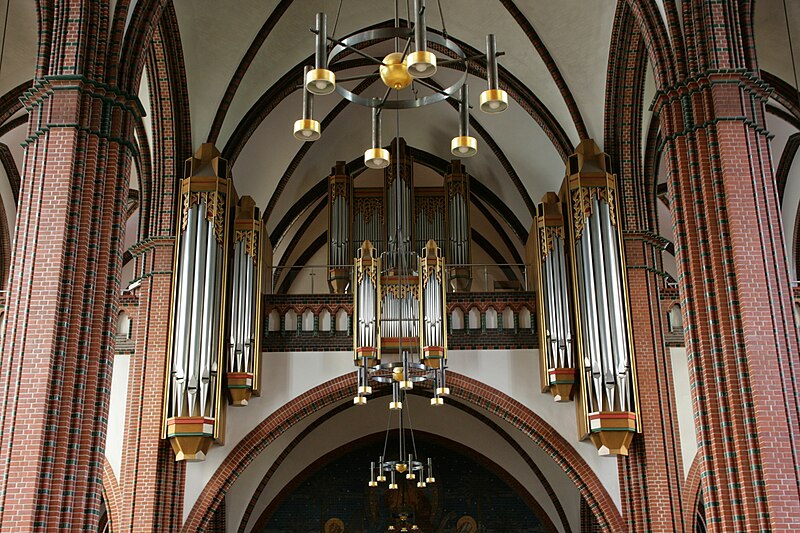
508, 318
467, 390
274, 321
491, 317
473, 320
693, 489
482, 418
307, 320
124, 324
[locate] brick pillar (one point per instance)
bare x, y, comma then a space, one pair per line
741, 339
651, 476
59, 330
151, 482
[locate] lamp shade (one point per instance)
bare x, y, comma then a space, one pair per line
307, 130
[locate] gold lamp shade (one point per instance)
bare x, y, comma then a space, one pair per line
421, 64
321, 81
464, 146
376, 158
307, 130
494, 101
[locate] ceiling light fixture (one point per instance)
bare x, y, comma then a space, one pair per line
406, 462
399, 70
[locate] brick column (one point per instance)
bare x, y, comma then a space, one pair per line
652, 475
150, 481
741, 339
63, 290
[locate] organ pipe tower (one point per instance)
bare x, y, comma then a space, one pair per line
243, 368
556, 350
608, 392
193, 409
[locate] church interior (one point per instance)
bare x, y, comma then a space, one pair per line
400, 265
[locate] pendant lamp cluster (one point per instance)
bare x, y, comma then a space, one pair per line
585, 339
398, 70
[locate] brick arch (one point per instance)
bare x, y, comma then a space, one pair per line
692, 489
482, 418
463, 449
111, 493
474, 393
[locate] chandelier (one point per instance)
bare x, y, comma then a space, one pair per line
398, 70
404, 465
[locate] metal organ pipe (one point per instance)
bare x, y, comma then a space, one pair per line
195, 344
183, 317
618, 319
209, 304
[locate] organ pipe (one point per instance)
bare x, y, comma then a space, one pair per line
458, 226
193, 409
399, 197
243, 370
433, 332
556, 350
608, 392
366, 334
340, 196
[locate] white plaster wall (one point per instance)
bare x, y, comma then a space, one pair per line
683, 403
449, 422
116, 411
516, 373
285, 377
288, 375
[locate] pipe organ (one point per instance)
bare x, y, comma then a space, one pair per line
555, 346
608, 388
243, 368
400, 310
594, 294
433, 337
368, 218
216, 327
340, 200
399, 187
429, 217
193, 397
358, 214
456, 183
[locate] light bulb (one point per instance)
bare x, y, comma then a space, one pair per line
494, 105
321, 84
463, 149
376, 162
420, 67
306, 133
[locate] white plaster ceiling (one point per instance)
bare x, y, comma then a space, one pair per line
772, 37
215, 36
19, 52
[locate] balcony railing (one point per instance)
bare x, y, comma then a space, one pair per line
474, 277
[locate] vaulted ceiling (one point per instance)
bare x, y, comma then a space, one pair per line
237, 54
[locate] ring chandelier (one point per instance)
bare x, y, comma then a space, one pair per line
398, 70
